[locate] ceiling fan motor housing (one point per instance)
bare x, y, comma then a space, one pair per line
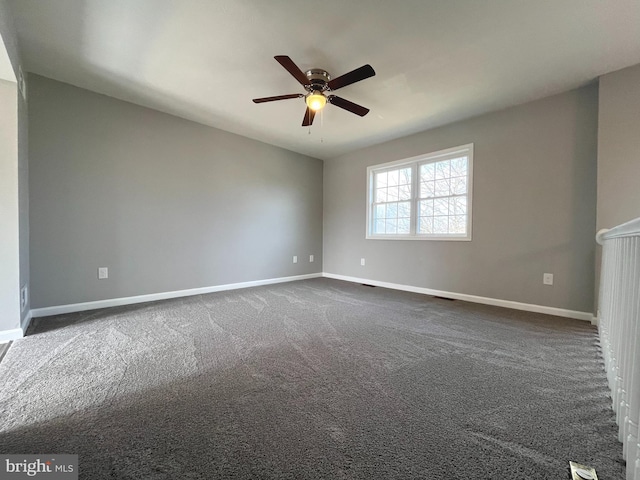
319, 79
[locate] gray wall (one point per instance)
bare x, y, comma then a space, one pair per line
534, 201
165, 203
618, 152
9, 216
23, 198
619, 148
14, 123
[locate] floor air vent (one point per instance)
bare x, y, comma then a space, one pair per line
582, 472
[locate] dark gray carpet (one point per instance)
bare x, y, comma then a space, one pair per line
309, 380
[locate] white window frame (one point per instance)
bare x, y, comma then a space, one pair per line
415, 163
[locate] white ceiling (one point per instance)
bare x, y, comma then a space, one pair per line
437, 61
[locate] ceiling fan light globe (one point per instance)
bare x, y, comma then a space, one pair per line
316, 101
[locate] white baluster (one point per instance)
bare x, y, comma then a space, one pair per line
632, 354
615, 327
619, 331
624, 349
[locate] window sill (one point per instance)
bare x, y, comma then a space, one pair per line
419, 237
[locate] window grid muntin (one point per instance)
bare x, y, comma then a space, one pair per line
395, 204
464, 151
442, 169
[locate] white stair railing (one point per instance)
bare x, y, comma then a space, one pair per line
619, 326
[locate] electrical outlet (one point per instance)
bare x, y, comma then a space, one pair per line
310, 258
103, 272
362, 262
23, 298
547, 278
295, 259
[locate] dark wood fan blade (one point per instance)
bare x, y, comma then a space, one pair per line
353, 76
347, 105
279, 97
309, 115
293, 69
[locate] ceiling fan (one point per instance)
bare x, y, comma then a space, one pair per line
318, 83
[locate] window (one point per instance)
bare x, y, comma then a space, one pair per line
422, 198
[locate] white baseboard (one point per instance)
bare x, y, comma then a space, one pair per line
25, 322
152, 297
560, 312
115, 302
16, 333
8, 335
